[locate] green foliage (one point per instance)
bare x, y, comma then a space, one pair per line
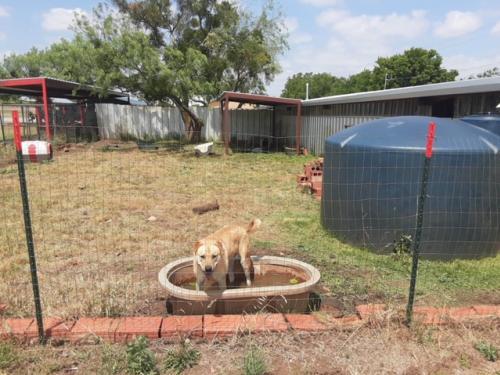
488, 351
402, 250
254, 361
495, 72
415, 66
8, 355
140, 359
179, 359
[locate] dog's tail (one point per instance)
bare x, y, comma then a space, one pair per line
254, 225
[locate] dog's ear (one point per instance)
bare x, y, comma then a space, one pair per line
196, 246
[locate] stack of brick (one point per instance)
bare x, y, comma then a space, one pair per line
312, 179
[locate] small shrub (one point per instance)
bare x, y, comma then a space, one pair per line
179, 359
254, 363
8, 355
402, 247
488, 351
141, 360
113, 360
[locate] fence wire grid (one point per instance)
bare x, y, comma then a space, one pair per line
109, 214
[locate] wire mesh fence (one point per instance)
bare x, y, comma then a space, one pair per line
109, 214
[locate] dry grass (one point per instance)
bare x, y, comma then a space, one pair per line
99, 248
391, 349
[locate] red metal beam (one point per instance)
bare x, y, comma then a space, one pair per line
46, 110
21, 82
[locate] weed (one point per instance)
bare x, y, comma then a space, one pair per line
140, 359
254, 362
464, 361
113, 360
8, 355
179, 359
402, 250
488, 351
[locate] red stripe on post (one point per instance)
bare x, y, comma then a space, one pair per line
431, 133
17, 130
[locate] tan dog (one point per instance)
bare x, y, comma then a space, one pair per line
214, 255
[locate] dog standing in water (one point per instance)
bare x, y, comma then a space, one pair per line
214, 255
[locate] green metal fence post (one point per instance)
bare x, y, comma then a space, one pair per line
27, 226
420, 218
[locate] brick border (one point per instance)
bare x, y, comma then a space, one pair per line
175, 328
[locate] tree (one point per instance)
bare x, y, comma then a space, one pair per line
166, 52
186, 53
415, 66
320, 84
495, 72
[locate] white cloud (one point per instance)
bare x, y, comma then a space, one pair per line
321, 3
496, 29
4, 12
59, 19
300, 38
468, 65
350, 43
364, 27
291, 24
457, 23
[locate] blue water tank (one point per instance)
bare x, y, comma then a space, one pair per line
490, 122
372, 178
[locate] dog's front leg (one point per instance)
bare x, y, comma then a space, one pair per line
231, 271
246, 263
199, 285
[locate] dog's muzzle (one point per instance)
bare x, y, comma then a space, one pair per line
208, 269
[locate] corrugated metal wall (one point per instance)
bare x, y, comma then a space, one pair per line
256, 128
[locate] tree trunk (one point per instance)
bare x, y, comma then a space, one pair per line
192, 124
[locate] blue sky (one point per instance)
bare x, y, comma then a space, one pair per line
337, 36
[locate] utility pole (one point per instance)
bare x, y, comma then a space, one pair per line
307, 90
387, 79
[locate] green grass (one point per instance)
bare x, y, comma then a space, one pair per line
8, 355
489, 352
90, 211
254, 362
181, 358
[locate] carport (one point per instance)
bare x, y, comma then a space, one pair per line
45, 88
272, 101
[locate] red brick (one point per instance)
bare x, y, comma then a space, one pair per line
15, 327
303, 322
176, 327
347, 321
367, 311
264, 323
431, 315
493, 310
131, 327
104, 328
221, 325
461, 313
53, 327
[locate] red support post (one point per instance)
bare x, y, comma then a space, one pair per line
298, 128
46, 110
17, 131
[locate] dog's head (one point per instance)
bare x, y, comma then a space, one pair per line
208, 254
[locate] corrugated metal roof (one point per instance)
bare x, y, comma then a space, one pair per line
469, 86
